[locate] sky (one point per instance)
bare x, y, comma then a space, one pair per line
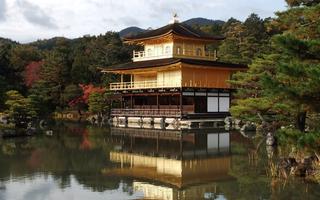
29, 20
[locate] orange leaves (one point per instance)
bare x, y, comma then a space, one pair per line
31, 73
87, 90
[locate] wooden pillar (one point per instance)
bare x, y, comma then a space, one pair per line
215, 54
131, 143
229, 143
158, 102
157, 145
194, 147
183, 49
181, 146
207, 101
131, 101
230, 92
218, 142
181, 102
194, 101
218, 101
143, 101
121, 104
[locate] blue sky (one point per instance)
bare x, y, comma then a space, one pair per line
29, 20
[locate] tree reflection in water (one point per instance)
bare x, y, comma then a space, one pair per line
129, 162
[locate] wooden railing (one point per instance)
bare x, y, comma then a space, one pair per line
146, 112
182, 52
143, 85
142, 55
206, 55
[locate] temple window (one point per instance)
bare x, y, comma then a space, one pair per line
199, 52
167, 50
149, 52
179, 50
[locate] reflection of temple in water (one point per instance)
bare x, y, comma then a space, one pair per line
172, 164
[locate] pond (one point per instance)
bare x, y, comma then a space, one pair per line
86, 162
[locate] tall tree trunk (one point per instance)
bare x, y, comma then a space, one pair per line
301, 121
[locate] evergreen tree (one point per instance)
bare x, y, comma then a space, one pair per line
20, 109
54, 75
106, 50
98, 103
80, 69
294, 3
71, 92
229, 50
244, 41
42, 92
284, 84
298, 69
5, 71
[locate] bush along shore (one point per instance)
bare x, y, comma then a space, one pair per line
301, 163
299, 155
10, 128
292, 154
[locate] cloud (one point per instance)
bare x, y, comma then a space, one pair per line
40, 192
28, 20
35, 15
2, 10
129, 21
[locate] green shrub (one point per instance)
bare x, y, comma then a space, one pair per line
293, 136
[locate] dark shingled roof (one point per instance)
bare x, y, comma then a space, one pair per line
176, 28
169, 61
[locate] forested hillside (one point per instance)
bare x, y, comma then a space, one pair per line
48, 74
52, 74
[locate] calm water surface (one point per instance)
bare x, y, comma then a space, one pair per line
84, 162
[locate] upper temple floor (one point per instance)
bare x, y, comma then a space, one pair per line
174, 50
175, 40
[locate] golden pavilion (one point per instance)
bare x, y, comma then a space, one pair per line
175, 76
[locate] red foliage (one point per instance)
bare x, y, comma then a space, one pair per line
31, 73
86, 144
84, 132
87, 90
35, 159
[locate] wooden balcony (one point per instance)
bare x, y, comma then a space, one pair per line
153, 111
143, 85
178, 53
142, 55
145, 112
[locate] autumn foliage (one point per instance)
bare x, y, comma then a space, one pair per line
87, 90
31, 73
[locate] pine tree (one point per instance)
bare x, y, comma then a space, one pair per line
284, 83
244, 41
298, 69
19, 108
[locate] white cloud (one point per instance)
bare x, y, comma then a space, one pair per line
27, 20
2, 10
35, 15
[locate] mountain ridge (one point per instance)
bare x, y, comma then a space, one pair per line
198, 21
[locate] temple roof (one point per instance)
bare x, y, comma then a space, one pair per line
170, 61
175, 28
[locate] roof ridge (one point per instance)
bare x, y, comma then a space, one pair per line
180, 24
169, 61
179, 29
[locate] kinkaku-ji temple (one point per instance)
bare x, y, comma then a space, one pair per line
175, 77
